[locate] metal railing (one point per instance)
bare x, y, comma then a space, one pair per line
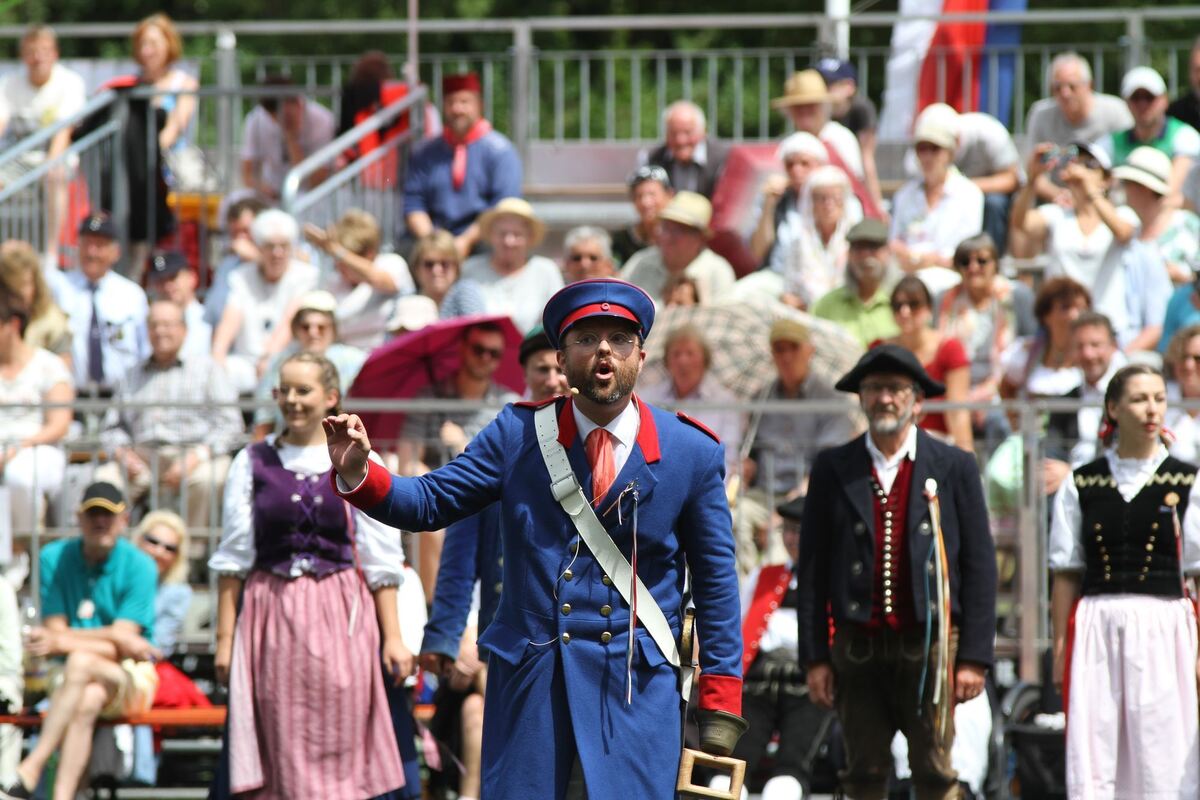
371, 181
1018, 504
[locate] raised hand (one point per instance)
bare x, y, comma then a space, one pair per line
349, 447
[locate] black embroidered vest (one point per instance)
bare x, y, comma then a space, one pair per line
1132, 548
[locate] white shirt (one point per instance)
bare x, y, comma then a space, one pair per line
843, 140
378, 545
957, 216
362, 312
263, 141
521, 295
25, 108
1037, 379
198, 343
624, 428
1131, 474
43, 372
887, 468
122, 307
263, 304
1093, 259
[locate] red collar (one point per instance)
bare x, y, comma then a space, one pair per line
647, 437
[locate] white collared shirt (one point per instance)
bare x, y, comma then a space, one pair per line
624, 428
886, 468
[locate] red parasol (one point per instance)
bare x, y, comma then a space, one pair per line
404, 366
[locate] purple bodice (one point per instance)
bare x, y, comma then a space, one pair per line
300, 525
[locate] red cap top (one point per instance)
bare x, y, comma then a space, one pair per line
468, 82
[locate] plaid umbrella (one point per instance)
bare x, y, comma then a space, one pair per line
736, 333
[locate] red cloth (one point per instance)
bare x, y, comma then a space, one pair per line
599, 447
902, 616
769, 592
950, 355
458, 168
467, 82
176, 690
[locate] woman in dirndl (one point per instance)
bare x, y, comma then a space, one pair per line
308, 712
1125, 550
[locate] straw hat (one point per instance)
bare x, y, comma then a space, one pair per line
690, 209
513, 207
805, 86
1147, 167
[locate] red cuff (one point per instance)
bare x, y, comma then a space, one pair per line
374, 489
721, 693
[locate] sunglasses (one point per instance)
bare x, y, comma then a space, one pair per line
487, 352
434, 264
963, 263
649, 172
154, 541
915, 305
575, 258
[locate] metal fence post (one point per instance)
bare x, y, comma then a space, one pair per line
1135, 44
227, 80
522, 69
118, 175
1031, 593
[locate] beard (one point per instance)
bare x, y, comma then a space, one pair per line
889, 425
619, 386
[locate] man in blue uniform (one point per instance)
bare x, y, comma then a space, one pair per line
592, 558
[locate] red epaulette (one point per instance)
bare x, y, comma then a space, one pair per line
536, 403
698, 424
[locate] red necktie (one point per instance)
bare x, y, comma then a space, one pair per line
599, 447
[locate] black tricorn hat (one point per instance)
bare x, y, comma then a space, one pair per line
890, 358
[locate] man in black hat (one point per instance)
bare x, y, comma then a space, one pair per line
899, 554
172, 278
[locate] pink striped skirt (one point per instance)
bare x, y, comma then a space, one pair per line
308, 714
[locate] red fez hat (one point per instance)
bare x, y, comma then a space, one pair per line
467, 82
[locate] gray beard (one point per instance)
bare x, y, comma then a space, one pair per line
886, 427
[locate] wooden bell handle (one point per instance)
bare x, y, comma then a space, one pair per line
687, 764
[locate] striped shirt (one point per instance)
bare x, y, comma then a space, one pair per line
194, 380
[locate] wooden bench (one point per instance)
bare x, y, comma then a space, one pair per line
213, 717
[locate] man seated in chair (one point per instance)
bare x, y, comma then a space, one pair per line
98, 604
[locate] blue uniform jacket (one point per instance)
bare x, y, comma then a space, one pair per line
470, 552
556, 677
837, 546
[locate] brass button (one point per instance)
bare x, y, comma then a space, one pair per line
604, 637
567, 575
500, 561
853, 605
1150, 547
498, 587
1153, 526
605, 610
566, 638
575, 547
1152, 537
1096, 526
566, 608
856, 568
607, 581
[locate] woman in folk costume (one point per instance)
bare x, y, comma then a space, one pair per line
1124, 548
308, 710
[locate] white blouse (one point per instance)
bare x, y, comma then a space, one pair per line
1131, 474
378, 545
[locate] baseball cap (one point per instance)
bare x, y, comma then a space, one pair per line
103, 495
98, 225
318, 300
1143, 78
836, 69
868, 231
937, 124
168, 264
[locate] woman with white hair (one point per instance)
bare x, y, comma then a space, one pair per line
259, 296
801, 153
810, 248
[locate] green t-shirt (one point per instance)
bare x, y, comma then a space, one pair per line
93, 596
864, 321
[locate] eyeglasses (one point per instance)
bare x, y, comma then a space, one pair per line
877, 388
1071, 86
913, 305
649, 172
154, 541
495, 353
967, 261
575, 258
432, 263
621, 343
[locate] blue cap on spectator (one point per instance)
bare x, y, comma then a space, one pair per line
835, 69
98, 225
597, 297
167, 264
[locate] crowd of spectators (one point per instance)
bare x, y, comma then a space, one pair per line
1103, 199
